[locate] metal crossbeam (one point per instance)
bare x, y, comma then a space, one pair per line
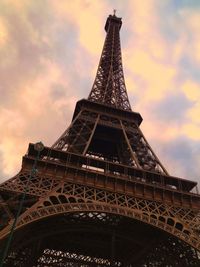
109, 85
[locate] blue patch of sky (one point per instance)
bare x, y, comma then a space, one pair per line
65, 47
125, 37
183, 152
185, 3
171, 20
189, 69
65, 41
84, 86
172, 109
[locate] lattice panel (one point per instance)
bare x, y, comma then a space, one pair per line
170, 253
144, 154
60, 258
76, 138
69, 197
38, 185
133, 149
109, 85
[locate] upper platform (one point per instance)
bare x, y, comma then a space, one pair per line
108, 110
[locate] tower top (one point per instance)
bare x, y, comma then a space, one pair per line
109, 85
113, 19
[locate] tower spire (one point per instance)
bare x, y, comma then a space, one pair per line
109, 85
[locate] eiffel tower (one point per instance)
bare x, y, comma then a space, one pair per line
100, 196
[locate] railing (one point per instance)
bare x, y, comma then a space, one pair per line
119, 170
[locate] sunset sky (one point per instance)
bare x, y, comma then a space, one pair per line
49, 53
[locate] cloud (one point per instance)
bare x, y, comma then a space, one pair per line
182, 154
172, 109
30, 78
3, 33
147, 69
191, 20
49, 52
87, 16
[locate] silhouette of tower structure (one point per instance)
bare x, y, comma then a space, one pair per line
100, 195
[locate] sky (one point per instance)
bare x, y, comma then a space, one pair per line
49, 53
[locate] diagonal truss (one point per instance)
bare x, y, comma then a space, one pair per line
79, 134
109, 85
130, 148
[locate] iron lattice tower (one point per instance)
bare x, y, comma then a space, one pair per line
100, 196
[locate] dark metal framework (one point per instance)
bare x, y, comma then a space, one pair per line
100, 196
109, 85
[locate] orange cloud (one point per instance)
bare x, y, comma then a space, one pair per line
12, 139
146, 68
191, 90
192, 131
3, 33
87, 16
33, 116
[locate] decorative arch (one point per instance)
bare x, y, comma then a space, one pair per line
142, 210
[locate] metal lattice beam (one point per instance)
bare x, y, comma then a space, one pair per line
109, 85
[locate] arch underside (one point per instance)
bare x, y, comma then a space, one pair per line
182, 223
96, 238
86, 221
